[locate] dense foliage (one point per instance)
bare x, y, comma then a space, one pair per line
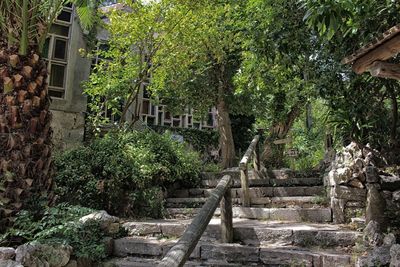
363, 109
202, 141
58, 225
125, 173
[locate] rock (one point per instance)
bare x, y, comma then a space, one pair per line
142, 228
395, 255
35, 254
389, 239
376, 205
106, 221
371, 174
396, 196
369, 159
6, 253
338, 206
358, 164
372, 234
358, 222
282, 173
391, 183
354, 182
10, 263
349, 193
343, 175
379, 256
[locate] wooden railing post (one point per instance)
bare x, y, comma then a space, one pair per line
226, 218
180, 252
256, 163
244, 180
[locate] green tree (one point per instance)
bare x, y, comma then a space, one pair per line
136, 35
276, 71
359, 104
198, 63
25, 133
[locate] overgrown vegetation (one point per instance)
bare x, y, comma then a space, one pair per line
125, 173
58, 225
202, 141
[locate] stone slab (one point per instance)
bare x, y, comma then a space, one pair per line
230, 253
132, 246
307, 238
7, 253
349, 193
142, 228
286, 257
302, 215
173, 229
333, 260
256, 236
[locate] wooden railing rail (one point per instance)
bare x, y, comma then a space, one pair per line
180, 252
252, 151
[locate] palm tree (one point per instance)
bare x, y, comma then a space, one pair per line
25, 132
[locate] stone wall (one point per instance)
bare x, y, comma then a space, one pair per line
359, 189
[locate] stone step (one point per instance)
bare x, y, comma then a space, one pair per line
254, 232
142, 262
243, 255
268, 182
269, 202
281, 214
256, 191
272, 174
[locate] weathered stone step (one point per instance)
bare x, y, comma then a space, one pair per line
272, 174
141, 262
256, 192
268, 182
269, 202
282, 214
231, 253
254, 232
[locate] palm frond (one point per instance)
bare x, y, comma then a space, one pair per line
86, 10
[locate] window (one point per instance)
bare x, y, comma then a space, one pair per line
55, 52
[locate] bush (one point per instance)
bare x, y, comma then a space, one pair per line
201, 140
59, 225
119, 172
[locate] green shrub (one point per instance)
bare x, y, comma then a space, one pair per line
59, 225
201, 140
113, 172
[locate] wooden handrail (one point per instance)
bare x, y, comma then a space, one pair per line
252, 150
178, 254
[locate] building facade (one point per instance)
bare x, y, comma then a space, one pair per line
67, 70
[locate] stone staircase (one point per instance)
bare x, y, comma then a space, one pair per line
289, 224
281, 197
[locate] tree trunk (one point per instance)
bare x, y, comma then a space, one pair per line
225, 135
226, 143
273, 154
25, 133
